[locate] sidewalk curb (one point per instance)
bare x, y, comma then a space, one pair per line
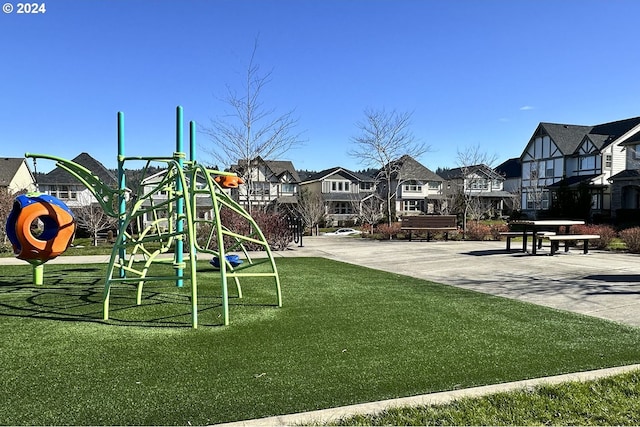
333, 414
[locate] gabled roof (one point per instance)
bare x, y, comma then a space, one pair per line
458, 173
281, 167
9, 167
410, 168
569, 137
511, 168
331, 171
60, 176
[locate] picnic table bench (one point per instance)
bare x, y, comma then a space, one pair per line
429, 224
539, 235
566, 238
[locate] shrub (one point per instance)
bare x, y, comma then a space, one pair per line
631, 238
388, 231
477, 231
274, 227
606, 233
496, 229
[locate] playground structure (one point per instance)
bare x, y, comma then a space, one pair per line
58, 224
161, 218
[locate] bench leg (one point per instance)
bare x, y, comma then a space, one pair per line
566, 246
508, 243
540, 243
585, 249
554, 247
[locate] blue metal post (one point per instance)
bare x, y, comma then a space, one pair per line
179, 258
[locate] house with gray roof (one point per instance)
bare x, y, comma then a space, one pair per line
481, 184
61, 184
342, 191
573, 156
418, 190
15, 175
267, 183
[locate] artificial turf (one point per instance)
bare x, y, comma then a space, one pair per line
344, 335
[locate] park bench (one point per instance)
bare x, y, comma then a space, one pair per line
566, 238
511, 234
428, 224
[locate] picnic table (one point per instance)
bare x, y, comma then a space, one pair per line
533, 227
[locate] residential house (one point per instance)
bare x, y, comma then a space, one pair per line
417, 189
511, 171
480, 186
268, 183
625, 185
61, 184
563, 156
342, 192
15, 175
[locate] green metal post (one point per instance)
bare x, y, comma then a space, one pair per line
180, 201
192, 141
38, 274
122, 202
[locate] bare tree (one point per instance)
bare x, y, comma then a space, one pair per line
384, 138
249, 130
368, 210
91, 217
6, 206
471, 160
311, 209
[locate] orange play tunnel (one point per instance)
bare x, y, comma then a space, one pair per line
57, 219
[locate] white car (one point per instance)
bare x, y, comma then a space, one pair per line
343, 232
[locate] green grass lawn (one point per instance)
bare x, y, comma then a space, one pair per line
345, 335
605, 402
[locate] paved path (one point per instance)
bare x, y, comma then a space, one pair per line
600, 283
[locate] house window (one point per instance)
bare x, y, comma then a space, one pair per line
479, 184
608, 161
288, 188
413, 186
586, 163
366, 186
434, 185
342, 208
340, 186
411, 205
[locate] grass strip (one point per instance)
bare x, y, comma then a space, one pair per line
345, 335
609, 401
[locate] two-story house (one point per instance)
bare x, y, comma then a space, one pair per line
478, 188
271, 183
417, 189
511, 171
15, 175
342, 192
572, 156
625, 185
59, 183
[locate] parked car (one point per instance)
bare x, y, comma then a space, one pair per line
343, 232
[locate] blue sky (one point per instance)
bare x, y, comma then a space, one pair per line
473, 72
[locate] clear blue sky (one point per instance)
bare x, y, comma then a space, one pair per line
473, 72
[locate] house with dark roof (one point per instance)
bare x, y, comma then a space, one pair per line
267, 183
342, 192
418, 190
15, 175
479, 183
61, 184
625, 185
572, 157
